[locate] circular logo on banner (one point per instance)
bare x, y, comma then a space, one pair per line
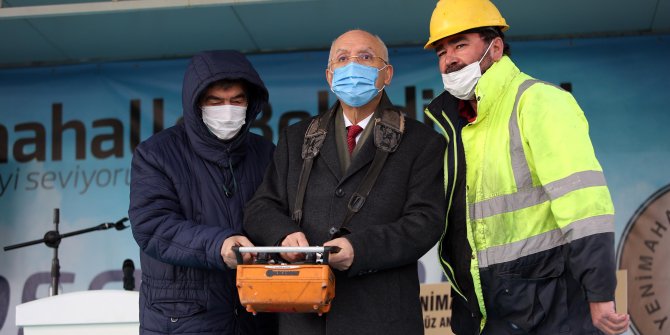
644, 251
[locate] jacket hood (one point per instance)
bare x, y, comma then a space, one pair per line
204, 69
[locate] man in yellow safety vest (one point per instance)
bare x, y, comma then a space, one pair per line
528, 244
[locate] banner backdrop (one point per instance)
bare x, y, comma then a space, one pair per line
67, 135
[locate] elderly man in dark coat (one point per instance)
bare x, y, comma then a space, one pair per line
392, 226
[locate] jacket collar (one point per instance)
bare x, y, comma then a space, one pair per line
444, 103
493, 84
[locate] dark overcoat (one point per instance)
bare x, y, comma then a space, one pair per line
400, 221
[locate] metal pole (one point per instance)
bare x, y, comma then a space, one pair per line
55, 264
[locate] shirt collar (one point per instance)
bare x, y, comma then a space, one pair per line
466, 112
363, 123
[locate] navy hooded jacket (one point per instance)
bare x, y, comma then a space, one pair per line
180, 214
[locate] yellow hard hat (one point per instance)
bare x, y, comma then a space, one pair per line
451, 17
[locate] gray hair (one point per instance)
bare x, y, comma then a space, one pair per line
385, 51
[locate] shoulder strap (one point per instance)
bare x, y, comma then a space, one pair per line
314, 137
387, 134
389, 129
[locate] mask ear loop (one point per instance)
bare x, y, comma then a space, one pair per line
485, 52
379, 70
331, 73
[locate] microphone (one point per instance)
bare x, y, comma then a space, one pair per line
128, 275
120, 226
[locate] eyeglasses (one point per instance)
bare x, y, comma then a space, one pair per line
362, 58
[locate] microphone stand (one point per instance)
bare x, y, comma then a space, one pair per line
52, 239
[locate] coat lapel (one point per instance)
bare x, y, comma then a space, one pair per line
367, 153
363, 157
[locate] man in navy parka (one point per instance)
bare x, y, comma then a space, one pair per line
189, 184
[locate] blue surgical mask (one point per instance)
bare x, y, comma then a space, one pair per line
354, 83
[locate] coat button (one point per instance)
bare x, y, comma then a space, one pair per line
332, 230
339, 193
173, 320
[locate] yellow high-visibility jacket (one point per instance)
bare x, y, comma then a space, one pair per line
539, 219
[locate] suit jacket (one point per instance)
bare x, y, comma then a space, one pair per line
400, 221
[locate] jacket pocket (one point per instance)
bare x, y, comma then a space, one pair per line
524, 295
177, 308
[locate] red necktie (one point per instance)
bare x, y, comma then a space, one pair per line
352, 132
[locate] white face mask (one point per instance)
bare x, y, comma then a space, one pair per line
461, 84
224, 121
